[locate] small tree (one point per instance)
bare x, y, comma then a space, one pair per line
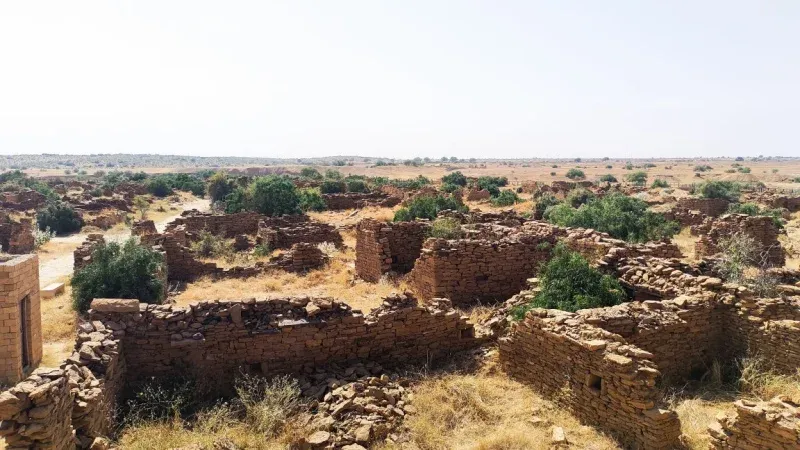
311, 200
356, 186
659, 183
569, 283
159, 187
720, 189
456, 178
332, 187
219, 186
575, 174
579, 196
427, 207
638, 178
142, 204
273, 196
310, 173
59, 217
608, 178
542, 203
130, 270
506, 198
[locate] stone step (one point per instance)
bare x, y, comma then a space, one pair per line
52, 290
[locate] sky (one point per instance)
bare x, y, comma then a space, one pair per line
300, 78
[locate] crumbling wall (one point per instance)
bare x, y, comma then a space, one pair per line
216, 339
23, 200
284, 236
475, 195
595, 374
773, 425
766, 329
82, 255
16, 237
761, 228
229, 225
301, 257
48, 407
470, 270
382, 247
706, 206
357, 200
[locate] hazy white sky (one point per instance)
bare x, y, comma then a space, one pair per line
403, 78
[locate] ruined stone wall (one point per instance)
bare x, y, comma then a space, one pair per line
761, 228
595, 374
23, 200
82, 255
766, 329
284, 236
51, 405
476, 195
16, 237
229, 225
301, 257
706, 206
387, 246
216, 339
356, 200
467, 270
773, 425
19, 292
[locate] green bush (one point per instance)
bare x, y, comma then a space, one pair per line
446, 228
60, 218
618, 215
569, 283
218, 186
158, 187
506, 198
720, 189
333, 174
579, 196
332, 187
744, 169
449, 188
456, 178
659, 183
15, 180
310, 173
575, 174
608, 178
273, 196
414, 183
129, 270
491, 184
356, 186
542, 203
236, 201
638, 178
427, 207
311, 200
703, 168
211, 245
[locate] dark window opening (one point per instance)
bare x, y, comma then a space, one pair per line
594, 383
25, 331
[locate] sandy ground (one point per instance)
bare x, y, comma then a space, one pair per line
56, 259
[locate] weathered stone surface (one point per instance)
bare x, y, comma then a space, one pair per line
115, 305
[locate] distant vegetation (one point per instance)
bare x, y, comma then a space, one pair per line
427, 207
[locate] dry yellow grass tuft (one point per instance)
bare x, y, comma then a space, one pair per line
58, 328
489, 412
696, 414
170, 435
685, 242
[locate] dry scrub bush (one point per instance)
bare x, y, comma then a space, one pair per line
268, 404
741, 261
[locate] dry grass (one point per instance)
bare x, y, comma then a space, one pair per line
58, 327
174, 434
336, 280
685, 242
696, 414
353, 216
489, 412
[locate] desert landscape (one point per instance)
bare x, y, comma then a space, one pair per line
367, 303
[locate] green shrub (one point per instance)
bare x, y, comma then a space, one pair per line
311, 200
158, 187
211, 245
449, 188
720, 189
744, 169
456, 178
427, 207
333, 174
552, 174
414, 183
575, 174
506, 198
628, 166
310, 173
332, 187
491, 184
608, 178
236, 201
356, 186
569, 283
59, 217
618, 215
542, 203
41, 237
659, 183
129, 270
218, 186
15, 180
579, 196
268, 403
162, 399
446, 228
638, 178
273, 196
703, 168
